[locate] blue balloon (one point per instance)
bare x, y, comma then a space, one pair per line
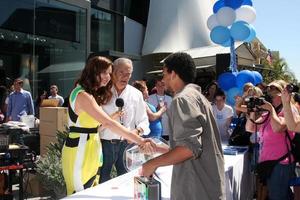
257, 77
231, 94
227, 80
233, 3
219, 4
227, 43
243, 77
240, 30
247, 2
220, 34
252, 34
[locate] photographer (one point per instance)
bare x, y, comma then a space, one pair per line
273, 144
292, 118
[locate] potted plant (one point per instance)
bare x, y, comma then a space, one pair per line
49, 167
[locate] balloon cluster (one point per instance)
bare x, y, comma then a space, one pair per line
232, 21
232, 83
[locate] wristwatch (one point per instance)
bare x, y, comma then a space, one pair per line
140, 131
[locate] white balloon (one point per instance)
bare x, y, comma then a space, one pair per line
226, 16
246, 13
212, 22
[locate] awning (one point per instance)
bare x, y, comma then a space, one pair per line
63, 67
197, 67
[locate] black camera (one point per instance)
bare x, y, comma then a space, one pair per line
290, 88
253, 102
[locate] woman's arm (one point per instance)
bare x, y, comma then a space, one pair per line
292, 122
154, 116
87, 103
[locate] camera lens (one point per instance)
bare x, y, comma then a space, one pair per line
290, 88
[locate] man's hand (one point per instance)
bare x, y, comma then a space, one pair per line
148, 169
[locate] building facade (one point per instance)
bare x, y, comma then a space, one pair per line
48, 41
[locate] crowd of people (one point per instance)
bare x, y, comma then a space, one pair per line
196, 123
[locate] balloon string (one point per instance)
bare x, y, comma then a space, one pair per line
233, 64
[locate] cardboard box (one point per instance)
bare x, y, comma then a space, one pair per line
53, 119
44, 142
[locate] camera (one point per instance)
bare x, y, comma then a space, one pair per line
253, 102
290, 88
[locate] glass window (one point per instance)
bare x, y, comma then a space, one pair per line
48, 50
106, 31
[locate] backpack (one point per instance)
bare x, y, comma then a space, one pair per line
239, 136
295, 146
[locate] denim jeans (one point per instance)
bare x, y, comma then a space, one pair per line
278, 183
112, 155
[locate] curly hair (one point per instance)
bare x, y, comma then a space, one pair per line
90, 79
183, 65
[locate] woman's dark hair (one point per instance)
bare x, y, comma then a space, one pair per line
90, 79
183, 65
206, 91
38, 98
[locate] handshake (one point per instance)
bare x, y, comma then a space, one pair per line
150, 146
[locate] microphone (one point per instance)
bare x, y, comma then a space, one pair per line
120, 104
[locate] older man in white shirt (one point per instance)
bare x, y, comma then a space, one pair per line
135, 117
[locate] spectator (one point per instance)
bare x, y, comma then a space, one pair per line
153, 114
54, 95
210, 91
223, 114
41, 96
272, 126
135, 117
20, 102
161, 98
195, 147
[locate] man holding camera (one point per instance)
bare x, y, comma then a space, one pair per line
273, 141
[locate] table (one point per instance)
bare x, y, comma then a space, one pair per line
238, 182
15, 163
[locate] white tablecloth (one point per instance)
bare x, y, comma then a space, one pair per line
238, 181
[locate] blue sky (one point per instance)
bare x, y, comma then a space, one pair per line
277, 26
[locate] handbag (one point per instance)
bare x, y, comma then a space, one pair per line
239, 136
264, 169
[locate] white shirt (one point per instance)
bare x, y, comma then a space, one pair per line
135, 115
154, 100
221, 118
60, 98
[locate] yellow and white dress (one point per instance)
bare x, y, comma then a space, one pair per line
81, 154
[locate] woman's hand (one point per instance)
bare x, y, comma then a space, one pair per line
267, 106
163, 109
148, 146
285, 96
116, 115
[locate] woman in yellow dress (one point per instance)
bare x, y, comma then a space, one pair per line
81, 154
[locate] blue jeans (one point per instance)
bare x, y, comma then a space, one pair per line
278, 183
112, 155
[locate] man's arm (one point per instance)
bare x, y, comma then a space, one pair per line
177, 155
